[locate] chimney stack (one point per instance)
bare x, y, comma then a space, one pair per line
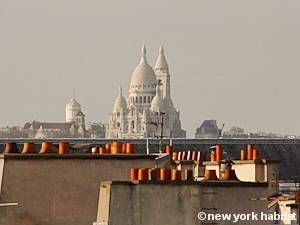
11, 148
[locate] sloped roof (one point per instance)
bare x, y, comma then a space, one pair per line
46, 125
208, 126
80, 113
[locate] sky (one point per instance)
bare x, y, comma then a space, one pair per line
234, 61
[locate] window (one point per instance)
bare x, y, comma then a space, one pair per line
141, 99
132, 124
149, 99
136, 99
145, 99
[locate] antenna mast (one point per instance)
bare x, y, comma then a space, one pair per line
162, 117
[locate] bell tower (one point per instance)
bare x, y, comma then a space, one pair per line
162, 73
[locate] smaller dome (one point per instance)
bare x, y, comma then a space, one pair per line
73, 104
157, 104
120, 102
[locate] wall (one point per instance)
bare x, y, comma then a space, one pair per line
175, 204
59, 190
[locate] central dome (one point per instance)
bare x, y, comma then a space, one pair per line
143, 76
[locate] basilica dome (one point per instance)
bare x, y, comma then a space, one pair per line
143, 76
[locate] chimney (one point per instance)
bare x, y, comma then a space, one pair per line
169, 149
249, 152
107, 148
134, 174
212, 156
155, 172
194, 155
130, 148
64, 148
124, 148
219, 152
165, 174
47, 147
210, 175
28, 148
174, 156
243, 154
142, 174
11, 148
255, 153
102, 150
116, 147
175, 174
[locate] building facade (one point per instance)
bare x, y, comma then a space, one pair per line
148, 110
74, 126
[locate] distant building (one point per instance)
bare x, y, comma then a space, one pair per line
149, 102
96, 130
73, 127
236, 132
208, 129
13, 132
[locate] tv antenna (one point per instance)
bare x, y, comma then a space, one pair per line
160, 123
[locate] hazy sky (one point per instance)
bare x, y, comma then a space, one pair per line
234, 61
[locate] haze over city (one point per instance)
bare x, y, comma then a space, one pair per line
231, 61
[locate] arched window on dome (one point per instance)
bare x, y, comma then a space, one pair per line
145, 99
136, 99
141, 99
132, 124
149, 99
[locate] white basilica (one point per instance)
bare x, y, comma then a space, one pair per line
149, 110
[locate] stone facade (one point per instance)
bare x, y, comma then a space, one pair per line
148, 106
